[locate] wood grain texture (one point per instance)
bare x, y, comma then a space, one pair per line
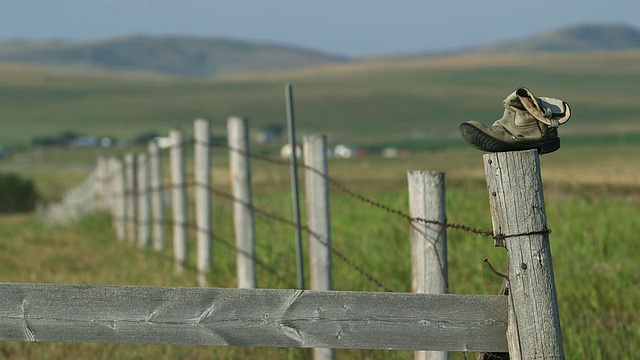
178, 199
202, 175
252, 317
429, 269
243, 221
144, 204
155, 182
518, 213
318, 220
131, 210
119, 202
317, 196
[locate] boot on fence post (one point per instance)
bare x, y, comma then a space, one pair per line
520, 225
528, 122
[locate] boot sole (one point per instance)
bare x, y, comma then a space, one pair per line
482, 141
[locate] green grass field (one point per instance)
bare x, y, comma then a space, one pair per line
594, 219
424, 100
592, 185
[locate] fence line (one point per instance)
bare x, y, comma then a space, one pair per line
179, 224
180, 228
530, 310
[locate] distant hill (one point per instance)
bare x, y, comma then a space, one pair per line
576, 38
170, 55
185, 56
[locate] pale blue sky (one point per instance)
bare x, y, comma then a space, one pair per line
346, 27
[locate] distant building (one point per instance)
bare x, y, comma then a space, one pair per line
285, 151
163, 142
343, 151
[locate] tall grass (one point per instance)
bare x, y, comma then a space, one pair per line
595, 223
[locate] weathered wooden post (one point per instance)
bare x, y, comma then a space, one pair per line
130, 196
429, 271
202, 173
155, 182
101, 188
119, 203
179, 200
317, 193
520, 225
243, 221
144, 213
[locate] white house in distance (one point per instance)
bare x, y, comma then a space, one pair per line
163, 142
285, 151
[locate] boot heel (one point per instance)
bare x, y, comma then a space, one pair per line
551, 146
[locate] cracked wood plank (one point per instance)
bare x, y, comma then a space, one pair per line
252, 317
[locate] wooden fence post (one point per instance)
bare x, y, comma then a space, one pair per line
156, 192
243, 221
429, 271
102, 174
144, 214
519, 222
119, 203
202, 173
179, 200
131, 209
317, 194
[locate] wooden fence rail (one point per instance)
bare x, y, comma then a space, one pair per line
252, 317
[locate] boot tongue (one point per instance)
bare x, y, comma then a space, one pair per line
550, 111
514, 100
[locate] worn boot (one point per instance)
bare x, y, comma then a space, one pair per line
528, 122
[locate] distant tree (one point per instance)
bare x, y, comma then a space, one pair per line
16, 194
63, 139
144, 138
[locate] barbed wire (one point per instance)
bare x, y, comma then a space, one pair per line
346, 190
413, 221
170, 221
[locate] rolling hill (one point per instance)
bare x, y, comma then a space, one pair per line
415, 101
194, 57
586, 37
168, 55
